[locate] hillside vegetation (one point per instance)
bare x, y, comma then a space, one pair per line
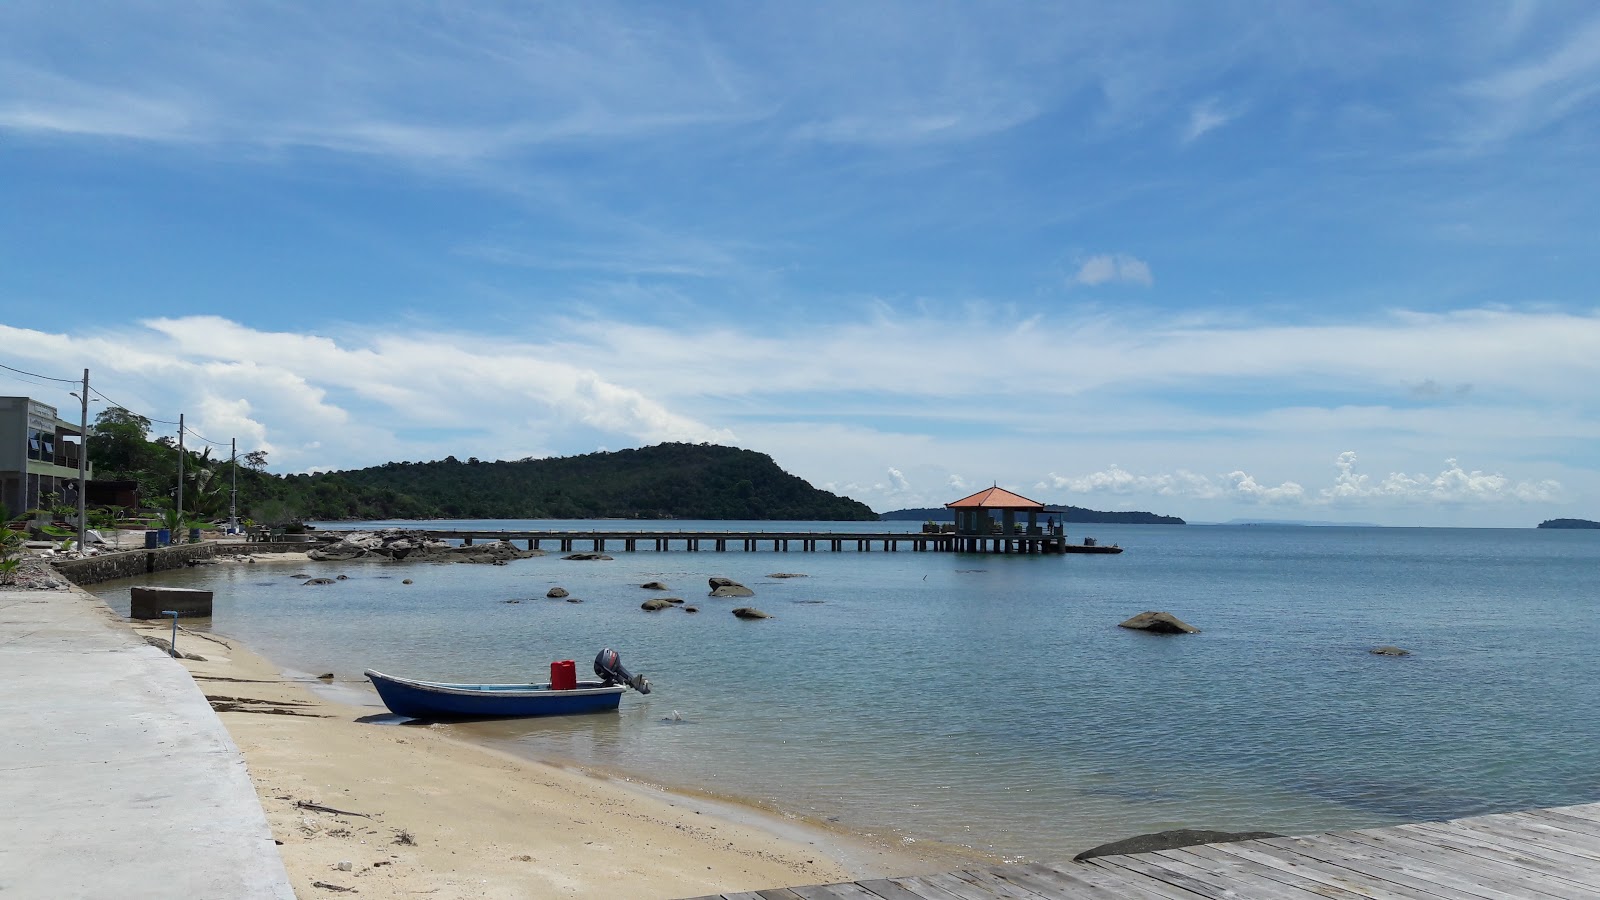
666, 481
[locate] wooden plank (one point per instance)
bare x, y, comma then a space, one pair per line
1516, 844
1582, 811
1562, 820
1512, 881
1530, 833
923, 890
957, 887
1082, 880
842, 891
1342, 861
1203, 883
1113, 878
1296, 874
1445, 872
1000, 886
1554, 833
1245, 878
1516, 854
888, 890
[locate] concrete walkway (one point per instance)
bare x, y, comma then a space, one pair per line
116, 778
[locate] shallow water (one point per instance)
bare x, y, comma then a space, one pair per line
991, 701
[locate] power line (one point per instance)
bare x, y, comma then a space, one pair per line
37, 375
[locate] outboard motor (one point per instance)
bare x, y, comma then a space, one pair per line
608, 665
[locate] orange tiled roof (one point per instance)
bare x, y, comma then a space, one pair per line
995, 498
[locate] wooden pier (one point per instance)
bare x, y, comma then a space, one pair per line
779, 541
1538, 854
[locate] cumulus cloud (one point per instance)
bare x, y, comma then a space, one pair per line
1452, 484
358, 399
1108, 268
1181, 483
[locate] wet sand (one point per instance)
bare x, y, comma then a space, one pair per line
397, 809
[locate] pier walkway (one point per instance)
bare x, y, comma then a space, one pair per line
779, 541
1539, 854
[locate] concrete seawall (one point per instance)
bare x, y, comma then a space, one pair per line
120, 780
130, 563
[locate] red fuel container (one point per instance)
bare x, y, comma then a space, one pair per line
563, 675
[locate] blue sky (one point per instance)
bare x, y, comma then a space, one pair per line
1265, 260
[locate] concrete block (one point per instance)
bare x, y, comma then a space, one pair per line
148, 602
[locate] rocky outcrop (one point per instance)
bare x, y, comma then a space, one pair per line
1159, 623
397, 544
1171, 840
727, 587
556, 593
750, 612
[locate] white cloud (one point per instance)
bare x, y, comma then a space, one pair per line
1452, 484
1113, 268
1181, 483
1205, 117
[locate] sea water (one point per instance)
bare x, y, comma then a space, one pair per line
991, 700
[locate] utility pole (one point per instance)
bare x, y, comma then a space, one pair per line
233, 488
83, 467
180, 476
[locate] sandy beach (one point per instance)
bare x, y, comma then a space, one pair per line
401, 810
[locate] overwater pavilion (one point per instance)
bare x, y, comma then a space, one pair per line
1016, 530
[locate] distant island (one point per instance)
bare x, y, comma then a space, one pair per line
1064, 513
1568, 523
666, 481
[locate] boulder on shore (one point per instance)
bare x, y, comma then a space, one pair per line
750, 612
1389, 651
556, 593
398, 543
1159, 623
1171, 840
727, 587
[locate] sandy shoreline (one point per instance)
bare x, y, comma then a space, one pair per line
447, 818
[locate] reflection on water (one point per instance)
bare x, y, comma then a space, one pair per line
991, 700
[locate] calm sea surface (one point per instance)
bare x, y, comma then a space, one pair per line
992, 701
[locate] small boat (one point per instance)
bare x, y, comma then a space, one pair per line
442, 700
1089, 545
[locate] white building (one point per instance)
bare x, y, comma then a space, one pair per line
38, 454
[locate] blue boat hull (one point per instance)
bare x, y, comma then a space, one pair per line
437, 700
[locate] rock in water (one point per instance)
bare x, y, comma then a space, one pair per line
750, 612
556, 593
1171, 840
319, 581
727, 587
1389, 651
655, 605
1159, 623
653, 586
586, 556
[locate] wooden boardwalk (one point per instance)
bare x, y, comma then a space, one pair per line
1534, 855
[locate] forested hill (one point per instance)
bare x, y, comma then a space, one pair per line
666, 481
1065, 513
1569, 523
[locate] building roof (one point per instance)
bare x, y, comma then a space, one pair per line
995, 498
